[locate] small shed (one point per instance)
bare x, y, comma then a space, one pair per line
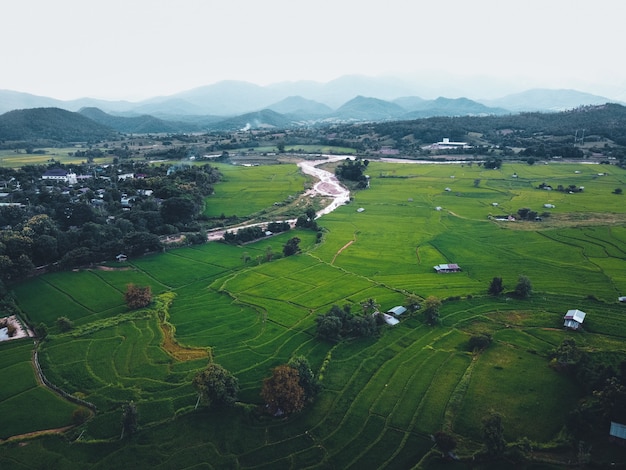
397, 310
390, 319
622, 299
574, 319
447, 268
617, 433
121, 257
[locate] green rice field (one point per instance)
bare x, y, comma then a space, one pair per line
383, 397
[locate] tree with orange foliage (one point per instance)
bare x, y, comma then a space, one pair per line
137, 296
282, 392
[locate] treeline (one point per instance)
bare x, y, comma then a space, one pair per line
602, 377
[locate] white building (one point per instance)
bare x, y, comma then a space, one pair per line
59, 174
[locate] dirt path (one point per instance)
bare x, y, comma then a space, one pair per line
28, 435
340, 250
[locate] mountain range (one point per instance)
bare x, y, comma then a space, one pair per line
234, 104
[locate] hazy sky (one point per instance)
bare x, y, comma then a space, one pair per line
134, 49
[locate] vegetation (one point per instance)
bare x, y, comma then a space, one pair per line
339, 323
380, 397
216, 386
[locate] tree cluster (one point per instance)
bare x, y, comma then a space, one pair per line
339, 323
216, 386
602, 378
290, 387
353, 170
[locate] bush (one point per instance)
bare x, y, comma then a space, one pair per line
64, 324
479, 342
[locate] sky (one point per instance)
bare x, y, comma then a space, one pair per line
136, 49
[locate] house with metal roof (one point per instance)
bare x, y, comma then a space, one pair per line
397, 310
447, 268
574, 319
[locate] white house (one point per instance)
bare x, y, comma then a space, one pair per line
574, 319
59, 174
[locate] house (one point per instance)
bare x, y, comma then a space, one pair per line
617, 433
397, 310
59, 174
447, 268
389, 319
574, 319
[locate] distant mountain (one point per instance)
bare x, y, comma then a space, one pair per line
229, 98
138, 124
264, 119
450, 107
11, 100
541, 99
301, 107
362, 108
303, 101
52, 124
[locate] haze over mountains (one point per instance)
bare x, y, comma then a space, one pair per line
231, 104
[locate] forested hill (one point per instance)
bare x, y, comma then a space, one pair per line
607, 121
144, 124
52, 124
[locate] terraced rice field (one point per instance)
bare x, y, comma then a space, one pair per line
382, 397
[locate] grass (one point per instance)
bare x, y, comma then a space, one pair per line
381, 397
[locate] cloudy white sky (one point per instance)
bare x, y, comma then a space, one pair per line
134, 49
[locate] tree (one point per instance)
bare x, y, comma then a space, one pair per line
137, 296
524, 288
130, 419
445, 442
282, 392
493, 434
64, 324
431, 310
80, 415
369, 306
177, 209
307, 379
41, 331
329, 327
479, 342
216, 386
291, 247
618, 191
412, 302
496, 287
